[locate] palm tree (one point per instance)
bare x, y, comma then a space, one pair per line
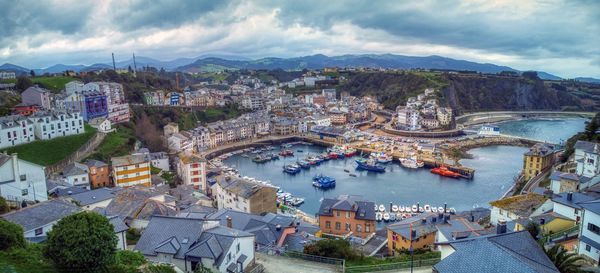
564, 261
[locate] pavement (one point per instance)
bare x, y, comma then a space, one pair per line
276, 264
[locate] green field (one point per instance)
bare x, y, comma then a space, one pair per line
53, 83
48, 152
117, 143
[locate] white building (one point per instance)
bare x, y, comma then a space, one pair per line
157, 160
5, 75
21, 180
444, 115
408, 119
589, 236
73, 87
102, 124
252, 102
118, 108
76, 174
192, 171
51, 124
587, 157
15, 130
181, 142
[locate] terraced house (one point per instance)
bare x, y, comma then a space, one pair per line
15, 130
347, 215
52, 124
130, 170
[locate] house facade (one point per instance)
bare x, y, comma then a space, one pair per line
15, 130
192, 171
244, 195
130, 170
99, 173
21, 180
347, 215
52, 124
38, 96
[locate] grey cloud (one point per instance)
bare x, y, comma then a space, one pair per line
164, 13
23, 18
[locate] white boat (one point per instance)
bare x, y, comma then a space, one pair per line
381, 207
411, 163
395, 208
401, 209
427, 208
378, 216
386, 216
441, 209
415, 208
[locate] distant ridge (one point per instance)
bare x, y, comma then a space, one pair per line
212, 62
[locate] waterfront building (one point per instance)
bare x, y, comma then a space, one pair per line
589, 236
347, 215
417, 232
518, 207
38, 219
15, 130
76, 174
38, 96
6, 75
244, 195
408, 119
190, 244
285, 126
192, 171
538, 159
52, 124
320, 120
337, 117
498, 253
130, 170
181, 142
99, 173
21, 180
430, 122
587, 157
444, 115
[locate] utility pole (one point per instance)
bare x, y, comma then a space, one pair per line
134, 66
113, 58
411, 248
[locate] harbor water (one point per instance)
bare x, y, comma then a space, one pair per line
496, 167
550, 130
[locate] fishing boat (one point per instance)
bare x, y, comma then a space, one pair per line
324, 156
291, 169
332, 155
444, 171
323, 182
296, 201
274, 156
286, 153
245, 155
411, 162
383, 158
370, 165
350, 152
313, 160
260, 159
352, 174
303, 164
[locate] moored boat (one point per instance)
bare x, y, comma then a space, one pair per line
323, 182
370, 165
411, 163
291, 169
444, 171
286, 153
303, 164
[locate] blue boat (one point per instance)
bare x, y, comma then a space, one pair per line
303, 164
291, 169
323, 182
369, 165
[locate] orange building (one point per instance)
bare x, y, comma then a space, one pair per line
418, 232
347, 215
99, 173
131, 170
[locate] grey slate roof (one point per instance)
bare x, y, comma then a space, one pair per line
575, 201
460, 228
93, 196
586, 146
75, 169
118, 224
557, 176
592, 206
240, 186
502, 253
186, 237
422, 228
365, 210
95, 163
41, 214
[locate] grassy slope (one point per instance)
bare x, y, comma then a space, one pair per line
53, 83
117, 143
47, 152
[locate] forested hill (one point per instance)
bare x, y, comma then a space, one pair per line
477, 92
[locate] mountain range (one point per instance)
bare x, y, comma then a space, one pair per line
220, 62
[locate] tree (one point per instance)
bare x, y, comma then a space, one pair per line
32, 73
82, 242
564, 261
339, 249
11, 235
4, 208
533, 228
160, 268
23, 83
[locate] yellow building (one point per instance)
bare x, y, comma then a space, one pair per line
549, 223
418, 232
131, 170
539, 158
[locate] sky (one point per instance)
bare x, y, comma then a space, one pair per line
559, 37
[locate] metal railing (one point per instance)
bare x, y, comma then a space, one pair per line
313, 258
391, 266
561, 234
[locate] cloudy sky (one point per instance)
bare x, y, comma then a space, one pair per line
560, 37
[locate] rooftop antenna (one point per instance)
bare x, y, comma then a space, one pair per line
114, 66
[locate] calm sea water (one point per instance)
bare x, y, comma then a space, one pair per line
551, 130
495, 166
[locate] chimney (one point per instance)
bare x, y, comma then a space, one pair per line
445, 205
390, 206
501, 227
278, 227
472, 218
15, 162
542, 221
229, 222
570, 196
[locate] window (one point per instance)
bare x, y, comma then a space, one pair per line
348, 227
338, 225
347, 214
368, 228
228, 257
327, 224
358, 228
593, 228
237, 247
39, 231
588, 248
23, 177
